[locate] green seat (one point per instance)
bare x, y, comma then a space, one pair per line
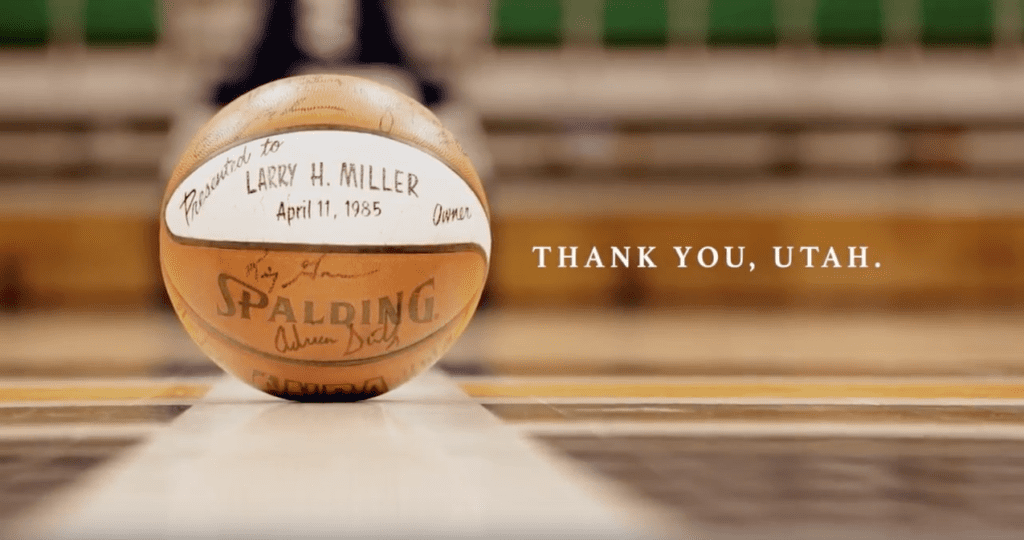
121, 22
635, 23
850, 23
24, 23
741, 22
957, 22
527, 23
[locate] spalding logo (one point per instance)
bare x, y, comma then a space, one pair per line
248, 299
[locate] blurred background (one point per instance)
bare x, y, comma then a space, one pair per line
892, 124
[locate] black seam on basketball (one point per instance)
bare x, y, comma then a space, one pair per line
329, 248
206, 325
324, 127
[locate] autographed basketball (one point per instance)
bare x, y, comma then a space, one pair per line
324, 238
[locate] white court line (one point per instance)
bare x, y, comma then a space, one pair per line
881, 402
896, 380
136, 430
776, 429
133, 402
119, 382
424, 461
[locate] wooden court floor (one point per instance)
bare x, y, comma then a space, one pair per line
95, 417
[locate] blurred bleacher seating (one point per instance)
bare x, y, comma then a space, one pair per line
892, 124
895, 124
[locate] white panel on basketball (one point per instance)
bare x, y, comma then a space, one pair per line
331, 188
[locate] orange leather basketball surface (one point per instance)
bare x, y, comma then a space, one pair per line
310, 322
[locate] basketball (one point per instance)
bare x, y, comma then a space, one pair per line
324, 238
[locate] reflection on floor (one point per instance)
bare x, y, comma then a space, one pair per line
797, 486
918, 453
34, 468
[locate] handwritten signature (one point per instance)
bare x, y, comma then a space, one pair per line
253, 270
285, 343
386, 335
311, 270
